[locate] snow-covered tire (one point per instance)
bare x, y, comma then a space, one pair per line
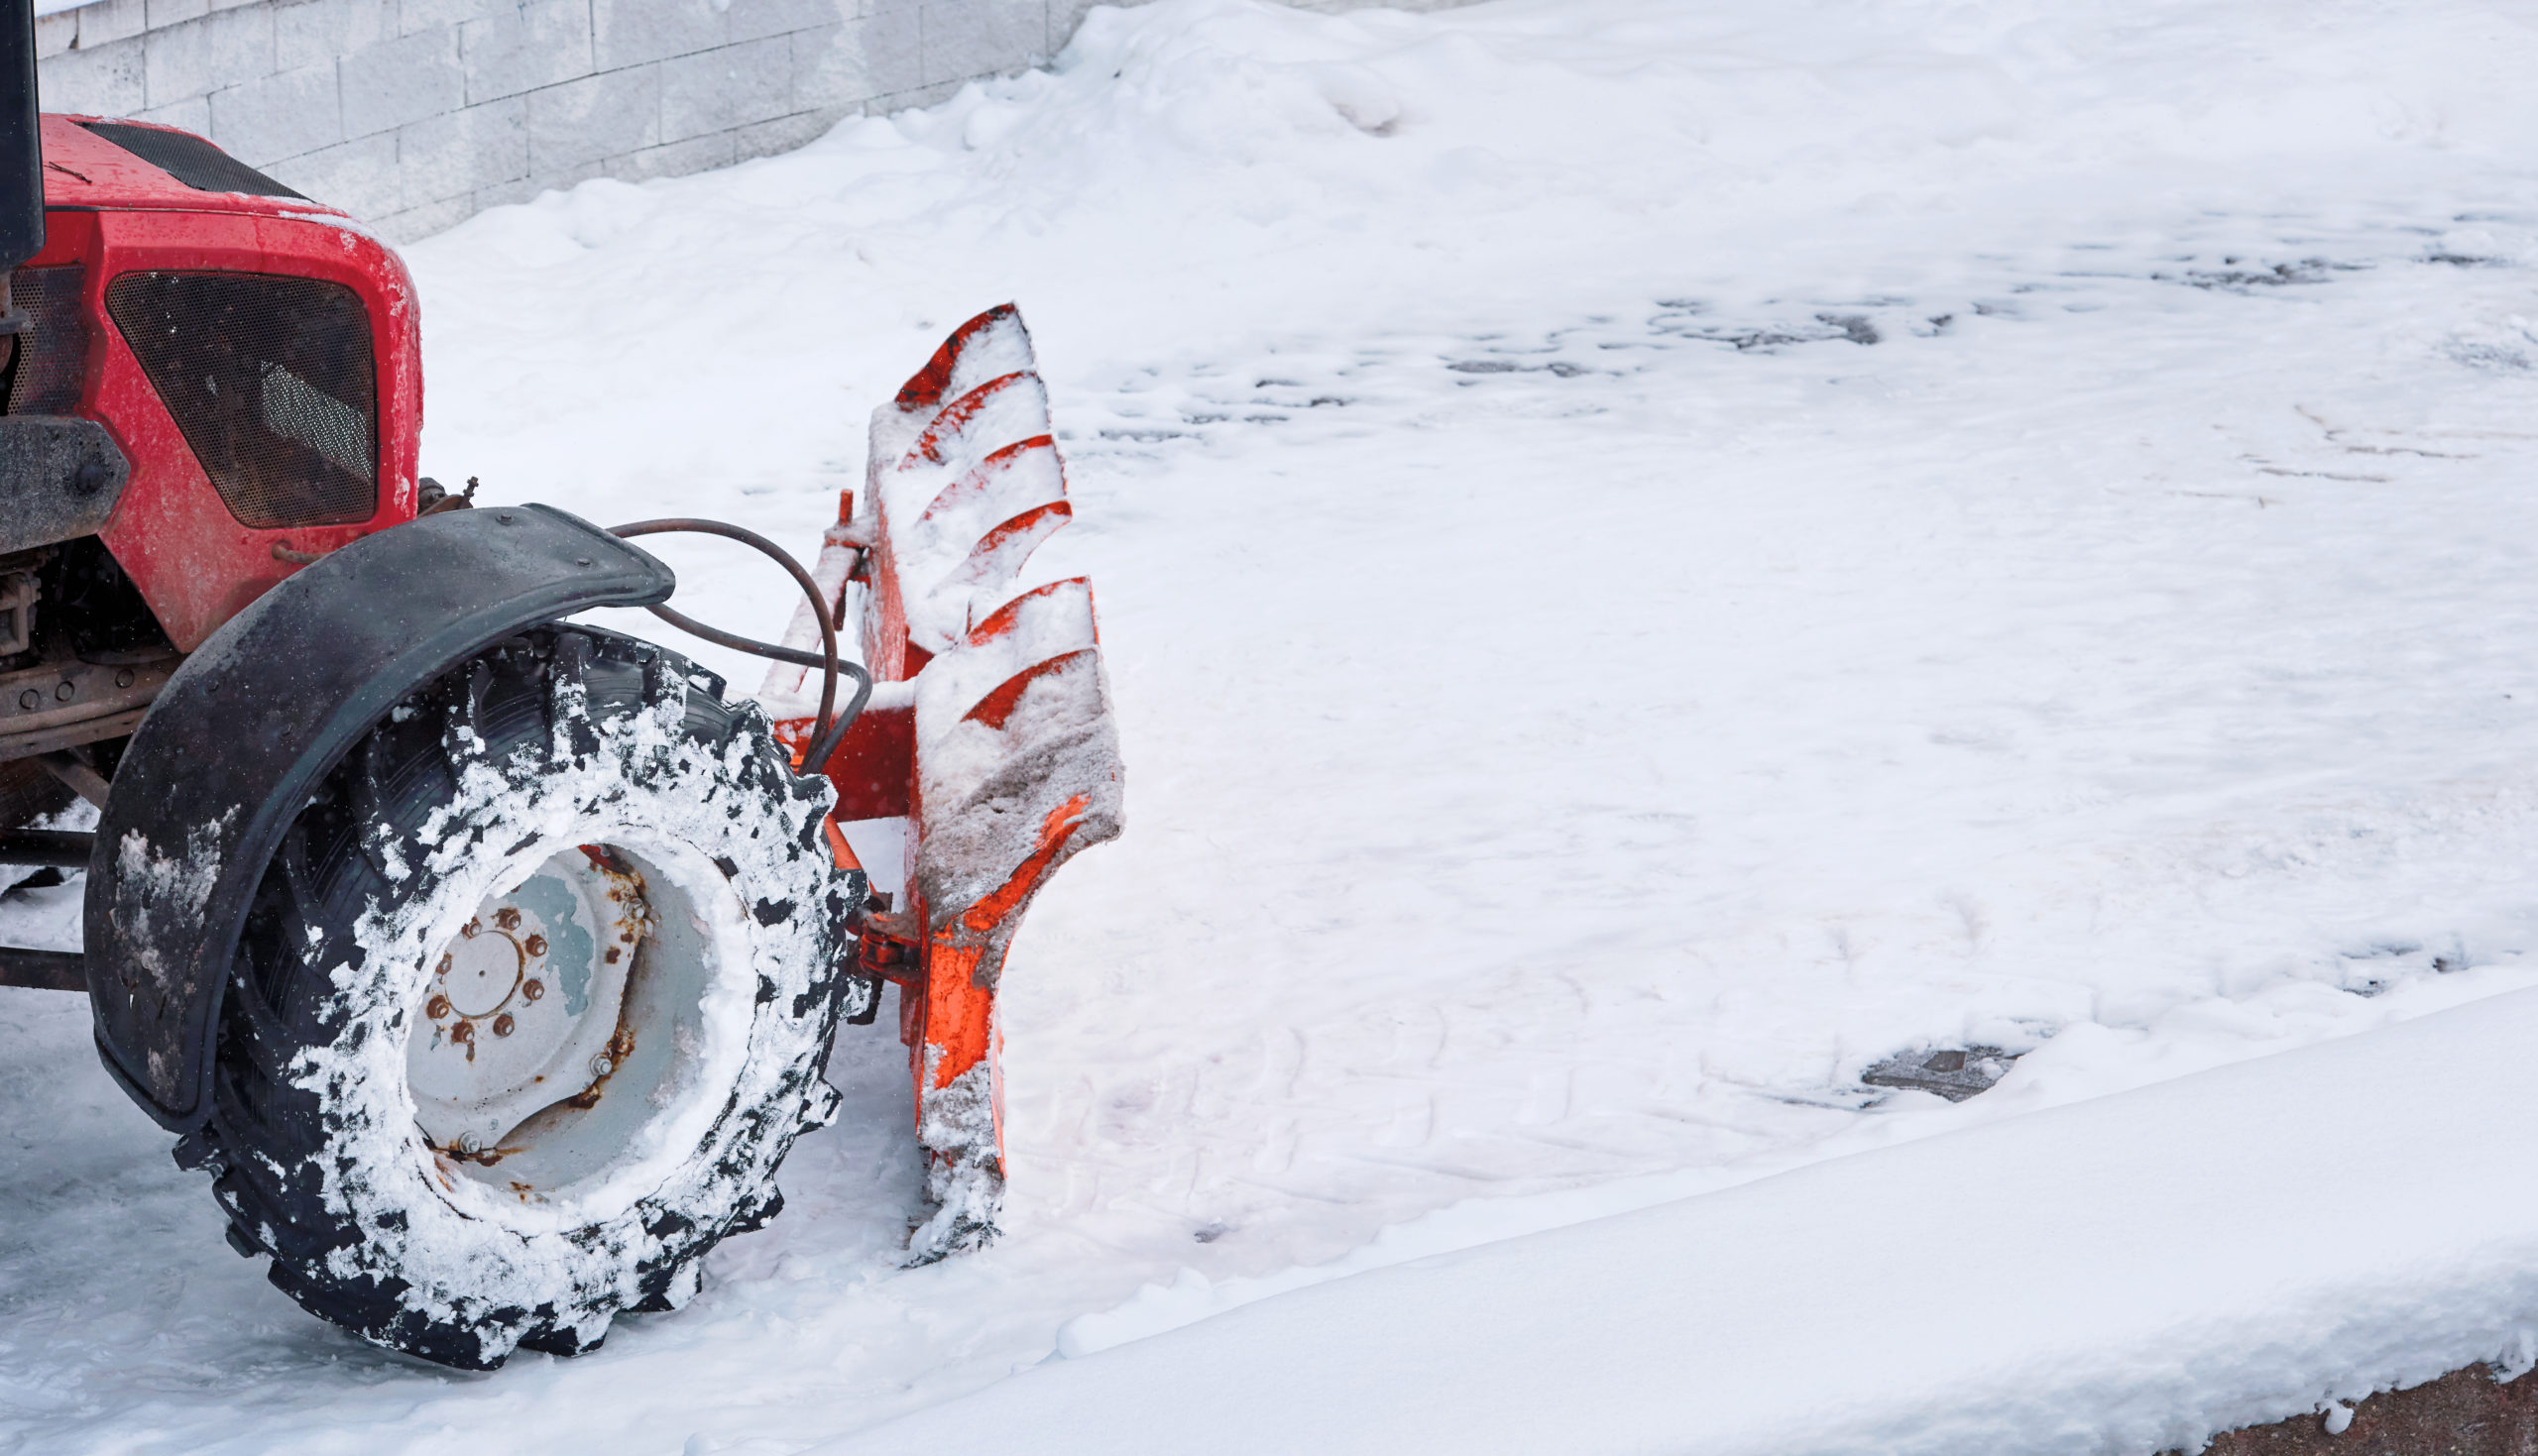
565, 756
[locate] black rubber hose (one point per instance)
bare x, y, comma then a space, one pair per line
814, 751
829, 730
739, 643
824, 746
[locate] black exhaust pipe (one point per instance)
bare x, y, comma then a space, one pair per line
21, 152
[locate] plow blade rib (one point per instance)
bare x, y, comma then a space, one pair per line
991, 733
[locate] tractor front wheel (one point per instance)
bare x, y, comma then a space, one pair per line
532, 1001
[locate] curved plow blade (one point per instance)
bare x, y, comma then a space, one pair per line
988, 736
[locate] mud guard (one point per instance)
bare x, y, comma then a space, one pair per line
229, 752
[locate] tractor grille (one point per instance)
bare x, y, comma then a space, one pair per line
271, 379
56, 340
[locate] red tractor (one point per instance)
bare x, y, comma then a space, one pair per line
488, 962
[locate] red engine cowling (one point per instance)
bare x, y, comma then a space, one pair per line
256, 356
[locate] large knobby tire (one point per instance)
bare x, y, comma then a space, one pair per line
572, 858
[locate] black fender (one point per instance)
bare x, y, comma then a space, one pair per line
241, 735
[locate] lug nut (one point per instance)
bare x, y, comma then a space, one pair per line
601, 1066
123, 677
508, 918
471, 1144
531, 990
63, 692
534, 945
30, 697
465, 1031
503, 1025
436, 1008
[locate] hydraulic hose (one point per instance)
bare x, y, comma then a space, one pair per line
829, 730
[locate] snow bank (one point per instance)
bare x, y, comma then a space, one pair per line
2130, 1274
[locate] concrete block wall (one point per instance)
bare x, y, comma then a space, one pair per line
412, 114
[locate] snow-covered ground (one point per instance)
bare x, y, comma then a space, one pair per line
2123, 1274
1650, 556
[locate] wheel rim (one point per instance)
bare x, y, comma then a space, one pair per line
565, 1015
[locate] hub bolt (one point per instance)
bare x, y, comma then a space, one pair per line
30, 697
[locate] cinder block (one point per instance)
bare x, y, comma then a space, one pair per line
785, 133
55, 34
1067, 16
628, 33
507, 194
359, 176
722, 89
328, 30
967, 39
450, 156
541, 44
874, 56
287, 115
914, 96
402, 81
828, 66
678, 159
422, 222
544, 181
205, 55
111, 20
755, 20
598, 116
103, 80
892, 35
423, 15
192, 114
165, 13
458, 105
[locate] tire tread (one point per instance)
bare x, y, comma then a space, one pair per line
265, 1132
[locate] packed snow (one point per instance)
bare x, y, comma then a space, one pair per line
2123, 1275
1651, 557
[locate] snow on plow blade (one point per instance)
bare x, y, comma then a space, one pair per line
989, 736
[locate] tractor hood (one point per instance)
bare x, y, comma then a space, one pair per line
99, 163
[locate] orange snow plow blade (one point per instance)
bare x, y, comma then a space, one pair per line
986, 756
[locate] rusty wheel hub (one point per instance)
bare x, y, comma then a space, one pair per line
525, 1007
